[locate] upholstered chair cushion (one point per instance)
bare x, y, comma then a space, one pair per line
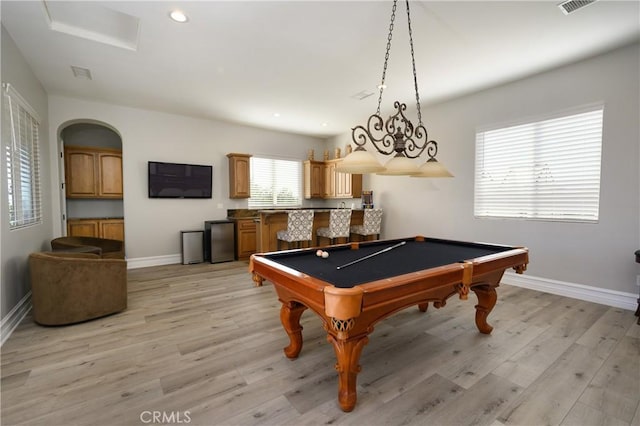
371, 223
299, 226
339, 221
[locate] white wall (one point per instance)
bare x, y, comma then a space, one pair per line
16, 245
152, 226
597, 255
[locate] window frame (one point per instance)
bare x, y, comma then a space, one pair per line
298, 183
21, 147
544, 186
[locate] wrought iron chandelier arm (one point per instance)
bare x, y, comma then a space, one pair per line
416, 143
375, 126
432, 150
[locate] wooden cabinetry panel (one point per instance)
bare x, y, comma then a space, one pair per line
82, 228
239, 175
110, 169
314, 179
81, 174
100, 228
329, 180
93, 173
321, 180
112, 229
245, 238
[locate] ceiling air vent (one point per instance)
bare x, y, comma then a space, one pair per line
80, 72
362, 95
571, 6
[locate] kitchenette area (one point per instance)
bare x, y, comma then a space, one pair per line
255, 230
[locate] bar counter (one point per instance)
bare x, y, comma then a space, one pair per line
272, 221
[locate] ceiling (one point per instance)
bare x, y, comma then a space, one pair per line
301, 66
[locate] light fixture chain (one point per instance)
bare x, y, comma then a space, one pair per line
413, 62
386, 55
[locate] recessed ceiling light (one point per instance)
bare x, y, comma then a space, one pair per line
178, 16
325, 124
276, 114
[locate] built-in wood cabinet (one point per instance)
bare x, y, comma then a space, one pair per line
245, 238
239, 175
314, 179
111, 228
83, 228
100, 228
347, 185
93, 173
329, 180
321, 180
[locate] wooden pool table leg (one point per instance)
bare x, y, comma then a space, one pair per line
290, 314
348, 355
487, 298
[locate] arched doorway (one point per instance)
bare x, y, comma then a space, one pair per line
91, 171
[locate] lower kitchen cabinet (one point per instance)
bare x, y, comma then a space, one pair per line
102, 228
245, 238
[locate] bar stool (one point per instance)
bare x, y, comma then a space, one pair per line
371, 224
339, 221
299, 228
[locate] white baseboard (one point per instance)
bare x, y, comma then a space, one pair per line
144, 262
14, 317
617, 299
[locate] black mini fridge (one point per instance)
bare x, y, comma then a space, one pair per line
219, 241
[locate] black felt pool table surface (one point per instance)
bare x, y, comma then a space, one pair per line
411, 257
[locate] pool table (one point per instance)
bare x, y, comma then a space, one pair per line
359, 284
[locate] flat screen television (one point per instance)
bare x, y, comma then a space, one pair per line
175, 180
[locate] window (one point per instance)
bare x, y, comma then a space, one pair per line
20, 140
547, 170
275, 183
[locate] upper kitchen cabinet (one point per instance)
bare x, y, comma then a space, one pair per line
239, 175
313, 179
93, 173
321, 180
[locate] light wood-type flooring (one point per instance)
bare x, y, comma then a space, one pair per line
200, 345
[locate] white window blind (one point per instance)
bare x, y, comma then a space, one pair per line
21, 141
275, 183
547, 170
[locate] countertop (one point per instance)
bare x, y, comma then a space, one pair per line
255, 214
96, 218
315, 209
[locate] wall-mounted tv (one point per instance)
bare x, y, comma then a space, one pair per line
174, 180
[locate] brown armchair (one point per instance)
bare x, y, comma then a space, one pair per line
72, 287
106, 248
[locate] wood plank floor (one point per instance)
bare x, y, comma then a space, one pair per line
200, 345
